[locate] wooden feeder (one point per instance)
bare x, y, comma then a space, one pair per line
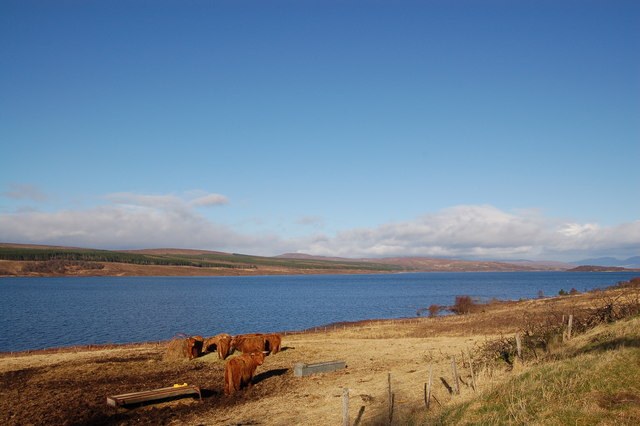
152, 395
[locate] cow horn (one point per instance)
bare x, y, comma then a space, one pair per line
265, 352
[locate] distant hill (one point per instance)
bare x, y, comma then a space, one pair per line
42, 260
592, 268
630, 263
543, 264
165, 251
437, 264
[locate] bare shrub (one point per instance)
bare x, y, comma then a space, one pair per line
462, 305
633, 282
500, 350
542, 334
434, 310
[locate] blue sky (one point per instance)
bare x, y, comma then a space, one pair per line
471, 129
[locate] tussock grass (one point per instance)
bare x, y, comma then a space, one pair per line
593, 380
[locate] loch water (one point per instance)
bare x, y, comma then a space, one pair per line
51, 312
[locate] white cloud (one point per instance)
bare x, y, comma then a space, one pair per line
120, 227
575, 229
164, 202
168, 202
308, 220
131, 221
145, 221
25, 191
210, 200
482, 232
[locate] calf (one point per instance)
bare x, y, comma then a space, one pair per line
239, 371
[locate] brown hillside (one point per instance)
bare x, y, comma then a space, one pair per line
437, 264
163, 251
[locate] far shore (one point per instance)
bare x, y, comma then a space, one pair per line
9, 268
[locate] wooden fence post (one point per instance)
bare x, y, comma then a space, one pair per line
391, 397
427, 388
569, 327
359, 417
473, 375
519, 345
345, 407
454, 371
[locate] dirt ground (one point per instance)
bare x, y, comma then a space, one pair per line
70, 385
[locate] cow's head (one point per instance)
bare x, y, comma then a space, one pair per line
194, 347
257, 357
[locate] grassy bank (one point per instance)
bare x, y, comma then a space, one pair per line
594, 379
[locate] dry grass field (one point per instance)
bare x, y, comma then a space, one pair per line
70, 385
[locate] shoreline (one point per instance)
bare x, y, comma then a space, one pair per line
312, 273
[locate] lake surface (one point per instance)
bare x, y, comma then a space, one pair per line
50, 312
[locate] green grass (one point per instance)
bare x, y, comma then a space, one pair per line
596, 380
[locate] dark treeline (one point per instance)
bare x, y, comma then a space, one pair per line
209, 260
26, 254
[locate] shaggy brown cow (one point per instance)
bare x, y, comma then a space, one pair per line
257, 341
221, 343
249, 343
274, 341
239, 371
196, 347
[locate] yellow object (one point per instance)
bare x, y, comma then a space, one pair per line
179, 386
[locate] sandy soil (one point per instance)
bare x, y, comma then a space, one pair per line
70, 385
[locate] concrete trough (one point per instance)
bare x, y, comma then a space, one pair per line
300, 370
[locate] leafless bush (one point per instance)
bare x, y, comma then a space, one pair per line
633, 282
542, 333
434, 310
502, 349
462, 305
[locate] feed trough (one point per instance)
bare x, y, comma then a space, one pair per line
152, 395
321, 367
